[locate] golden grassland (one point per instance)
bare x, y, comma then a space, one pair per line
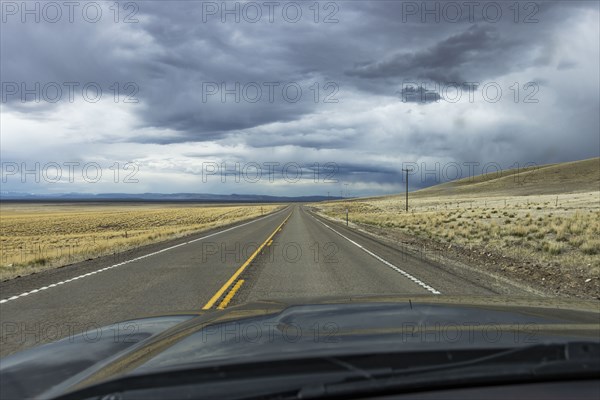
41, 236
551, 215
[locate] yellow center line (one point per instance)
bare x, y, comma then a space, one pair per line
241, 269
230, 295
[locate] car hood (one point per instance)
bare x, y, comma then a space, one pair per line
273, 330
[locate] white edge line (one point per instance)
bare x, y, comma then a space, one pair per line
137, 258
389, 264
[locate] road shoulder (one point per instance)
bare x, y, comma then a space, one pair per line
458, 261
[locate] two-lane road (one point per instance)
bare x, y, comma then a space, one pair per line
314, 257
288, 254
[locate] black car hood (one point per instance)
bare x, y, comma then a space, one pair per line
293, 329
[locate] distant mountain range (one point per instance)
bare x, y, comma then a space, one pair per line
157, 197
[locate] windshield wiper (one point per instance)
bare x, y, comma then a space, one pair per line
576, 360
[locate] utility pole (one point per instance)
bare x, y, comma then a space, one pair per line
346, 185
342, 194
407, 171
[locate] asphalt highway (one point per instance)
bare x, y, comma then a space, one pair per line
292, 253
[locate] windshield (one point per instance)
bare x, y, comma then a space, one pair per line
317, 171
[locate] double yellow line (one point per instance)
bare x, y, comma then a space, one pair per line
237, 273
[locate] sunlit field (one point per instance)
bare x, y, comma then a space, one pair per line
41, 236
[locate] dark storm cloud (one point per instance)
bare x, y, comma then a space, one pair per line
171, 54
418, 94
475, 53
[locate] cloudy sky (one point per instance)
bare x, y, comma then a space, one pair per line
291, 98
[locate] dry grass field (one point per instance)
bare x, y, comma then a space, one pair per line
549, 215
41, 236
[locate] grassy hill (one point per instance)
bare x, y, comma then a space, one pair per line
568, 177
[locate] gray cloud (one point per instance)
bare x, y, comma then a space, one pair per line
445, 62
171, 54
418, 94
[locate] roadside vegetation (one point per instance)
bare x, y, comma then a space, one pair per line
567, 234
42, 236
